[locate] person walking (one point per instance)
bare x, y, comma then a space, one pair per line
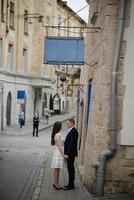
46, 114
35, 124
70, 152
21, 118
58, 154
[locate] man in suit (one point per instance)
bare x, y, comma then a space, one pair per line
70, 151
35, 124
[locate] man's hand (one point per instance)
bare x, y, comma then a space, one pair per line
65, 157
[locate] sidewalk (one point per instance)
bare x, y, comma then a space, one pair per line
47, 191
28, 128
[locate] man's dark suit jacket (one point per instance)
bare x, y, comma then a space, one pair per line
35, 121
70, 144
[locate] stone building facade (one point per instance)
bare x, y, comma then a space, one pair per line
22, 68
119, 172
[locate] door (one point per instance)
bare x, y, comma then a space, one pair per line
8, 109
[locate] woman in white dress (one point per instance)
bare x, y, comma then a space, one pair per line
58, 154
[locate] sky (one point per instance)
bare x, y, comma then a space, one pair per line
77, 5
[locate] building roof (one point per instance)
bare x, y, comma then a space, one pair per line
64, 5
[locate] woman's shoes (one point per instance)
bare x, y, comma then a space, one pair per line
56, 187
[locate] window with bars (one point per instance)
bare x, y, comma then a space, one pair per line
26, 22
11, 15
10, 57
1, 54
24, 60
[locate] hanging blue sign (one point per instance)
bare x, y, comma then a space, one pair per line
64, 50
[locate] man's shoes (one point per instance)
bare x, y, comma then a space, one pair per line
68, 187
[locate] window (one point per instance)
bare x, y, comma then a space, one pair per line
49, 6
10, 57
59, 21
63, 105
26, 22
48, 20
65, 24
24, 60
1, 46
2, 10
11, 15
48, 24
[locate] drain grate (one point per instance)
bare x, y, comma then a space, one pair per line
34, 153
4, 150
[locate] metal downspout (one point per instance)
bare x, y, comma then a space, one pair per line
2, 125
108, 152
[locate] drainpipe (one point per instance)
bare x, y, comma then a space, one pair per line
2, 108
109, 151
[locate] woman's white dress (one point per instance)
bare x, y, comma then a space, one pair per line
57, 158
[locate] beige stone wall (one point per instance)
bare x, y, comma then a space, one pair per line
119, 175
33, 41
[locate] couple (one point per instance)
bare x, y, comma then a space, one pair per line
64, 153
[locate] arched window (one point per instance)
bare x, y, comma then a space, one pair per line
56, 104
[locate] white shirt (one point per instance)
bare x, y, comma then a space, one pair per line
70, 129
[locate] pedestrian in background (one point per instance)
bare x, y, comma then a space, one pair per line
21, 118
46, 114
35, 124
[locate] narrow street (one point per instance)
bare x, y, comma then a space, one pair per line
20, 160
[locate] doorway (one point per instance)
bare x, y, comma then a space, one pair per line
8, 109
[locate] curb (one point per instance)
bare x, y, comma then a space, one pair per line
40, 129
48, 126
37, 189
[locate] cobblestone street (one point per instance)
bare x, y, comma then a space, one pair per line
25, 172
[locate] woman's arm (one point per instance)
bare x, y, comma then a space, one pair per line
59, 144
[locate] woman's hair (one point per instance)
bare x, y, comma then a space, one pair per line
56, 129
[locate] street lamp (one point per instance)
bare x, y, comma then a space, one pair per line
63, 77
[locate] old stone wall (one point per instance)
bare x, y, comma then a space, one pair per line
119, 175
